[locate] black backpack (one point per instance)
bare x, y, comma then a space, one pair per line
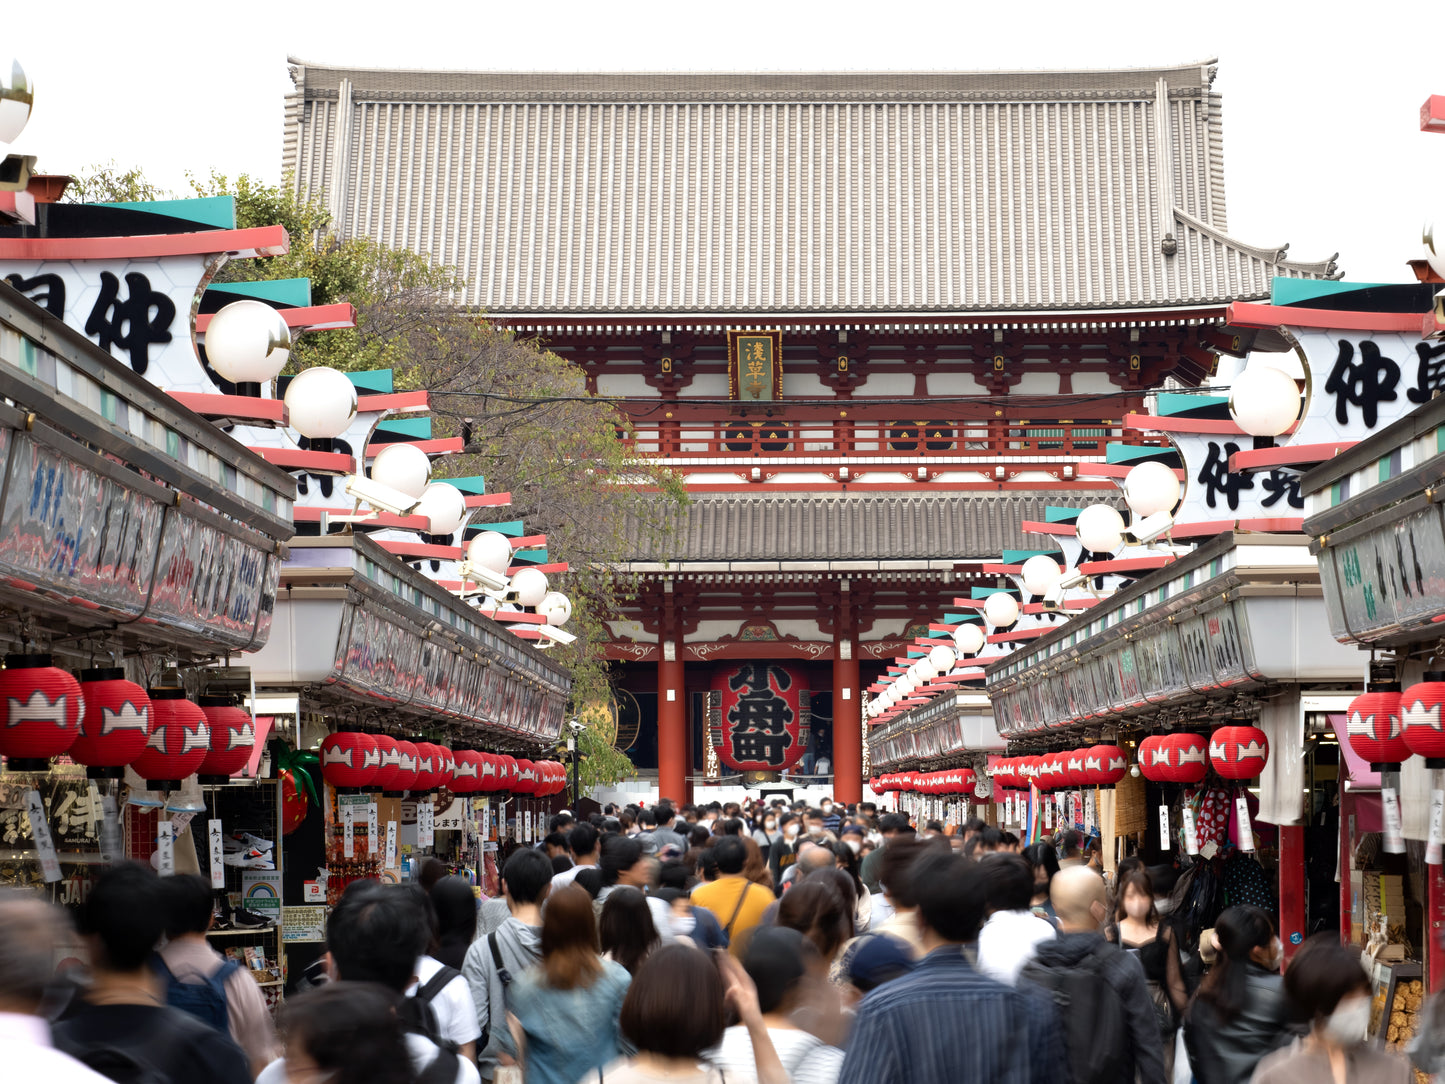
1093, 1016
121, 1066
417, 1014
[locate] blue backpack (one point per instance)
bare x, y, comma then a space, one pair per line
205, 1000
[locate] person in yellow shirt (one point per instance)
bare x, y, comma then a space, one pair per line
737, 903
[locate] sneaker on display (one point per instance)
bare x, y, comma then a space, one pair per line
244, 841
243, 919
249, 859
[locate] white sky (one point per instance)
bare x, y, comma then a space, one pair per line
1321, 99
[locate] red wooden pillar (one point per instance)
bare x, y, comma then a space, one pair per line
847, 724
1292, 919
671, 729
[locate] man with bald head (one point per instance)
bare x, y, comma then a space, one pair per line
1079, 968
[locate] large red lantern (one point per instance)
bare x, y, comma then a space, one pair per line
233, 737
526, 780
506, 772
1238, 752
350, 760
467, 772
1105, 765
115, 725
294, 803
447, 767
1186, 758
388, 763
1075, 771
43, 708
1051, 772
1375, 727
760, 714
432, 768
406, 767
1420, 715
1153, 760
179, 740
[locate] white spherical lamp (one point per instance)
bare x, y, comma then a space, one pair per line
17, 98
444, 506
969, 638
555, 607
1433, 239
530, 586
1040, 573
248, 342
491, 550
905, 686
925, 671
943, 658
1264, 401
1150, 488
1100, 528
1000, 609
321, 403
404, 467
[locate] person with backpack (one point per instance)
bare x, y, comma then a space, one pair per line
202, 982
122, 1027
944, 1021
373, 936
495, 961
440, 988
1103, 1006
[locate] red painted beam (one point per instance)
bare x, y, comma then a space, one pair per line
415, 550
1033, 526
305, 317
397, 400
1292, 918
384, 519
257, 241
556, 568
487, 500
1114, 470
440, 446
335, 463
1290, 455
1170, 424
247, 407
1253, 315
1127, 564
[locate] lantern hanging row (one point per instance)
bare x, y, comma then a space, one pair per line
351, 760
1237, 752
1386, 726
1092, 766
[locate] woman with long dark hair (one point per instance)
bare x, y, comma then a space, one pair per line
1240, 1013
847, 861
1045, 861
627, 930
1138, 930
345, 1033
456, 910
564, 1010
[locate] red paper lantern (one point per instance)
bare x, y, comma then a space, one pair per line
448, 766
406, 767
179, 740
1051, 772
467, 771
762, 712
1376, 730
1420, 715
388, 763
294, 803
1187, 758
350, 760
1239, 752
432, 768
233, 737
1152, 759
1075, 771
487, 773
506, 772
115, 725
1105, 765
43, 709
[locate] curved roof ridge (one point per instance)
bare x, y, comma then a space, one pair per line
1275, 254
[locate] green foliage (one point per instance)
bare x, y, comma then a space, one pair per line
111, 184
599, 764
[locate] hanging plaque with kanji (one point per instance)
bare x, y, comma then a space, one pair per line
763, 717
755, 366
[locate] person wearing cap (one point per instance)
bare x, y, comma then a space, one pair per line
872, 960
777, 960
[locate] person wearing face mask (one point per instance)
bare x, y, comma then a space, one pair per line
784, 850
766, 834
1240, 1014
1139, 930
1326, 984
831, 820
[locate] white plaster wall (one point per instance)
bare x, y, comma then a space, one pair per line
620, 384
953, 384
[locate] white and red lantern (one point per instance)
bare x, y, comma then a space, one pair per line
506, 772
388, 763
115, 725
1153, 760
1238, 752
233, 737
43, 707
762, 713
1075, 772
350, 760
1186, 758
1375, 726
1422, 717
179, 740
1105, 765
447, 766
526, 779
432, 767
406, 767
467, 771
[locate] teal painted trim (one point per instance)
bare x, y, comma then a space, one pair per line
1283, 291
1126, 453
512, 528
534, 557
1056, 514
474, 485
1170, 404
984, 592
372, 381
415, 428
215, 212
917, 654
293, 292
1018, 557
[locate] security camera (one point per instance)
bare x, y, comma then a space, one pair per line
1152, 527
552, 632
493, 584
372, 492
1072, 580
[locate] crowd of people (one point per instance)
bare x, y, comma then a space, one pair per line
717, 945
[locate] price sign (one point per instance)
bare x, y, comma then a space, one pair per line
371, 840
1049, 816
1437, 821
1164, 840
40, 832
391, 844
165, 847
1246, 830
218, 852
1394, 829
1191, 830
348, 828
1090, 814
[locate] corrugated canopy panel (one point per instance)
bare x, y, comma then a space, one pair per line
845, 528
772, 193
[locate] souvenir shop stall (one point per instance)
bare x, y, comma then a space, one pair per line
952, 737
1170, 721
